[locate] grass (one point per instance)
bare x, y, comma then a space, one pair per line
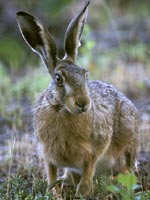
19, 187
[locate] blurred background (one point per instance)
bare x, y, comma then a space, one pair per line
115, 48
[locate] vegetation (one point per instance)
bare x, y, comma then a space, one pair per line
20, 187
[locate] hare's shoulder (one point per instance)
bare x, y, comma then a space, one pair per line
103, 93
103, 89
108, 96
106, 92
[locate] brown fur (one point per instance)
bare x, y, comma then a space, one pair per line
80, 123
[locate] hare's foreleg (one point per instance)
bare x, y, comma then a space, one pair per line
52, 178
85, 185
51, 173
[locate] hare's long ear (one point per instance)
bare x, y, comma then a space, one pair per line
74, 32
38, 38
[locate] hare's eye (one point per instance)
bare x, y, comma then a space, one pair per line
58, 79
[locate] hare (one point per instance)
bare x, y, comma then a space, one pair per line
79, 122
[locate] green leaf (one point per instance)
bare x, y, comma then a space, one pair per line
113, 188
128, 180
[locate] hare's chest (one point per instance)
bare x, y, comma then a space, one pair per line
66, 143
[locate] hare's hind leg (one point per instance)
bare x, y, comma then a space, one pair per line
128, 136
130, 159
126, 161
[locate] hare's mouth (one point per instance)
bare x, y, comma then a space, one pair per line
77, 110
78, 107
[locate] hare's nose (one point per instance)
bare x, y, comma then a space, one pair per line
83, 104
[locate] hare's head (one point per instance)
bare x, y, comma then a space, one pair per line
68, 88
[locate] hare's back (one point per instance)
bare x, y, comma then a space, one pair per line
113, 103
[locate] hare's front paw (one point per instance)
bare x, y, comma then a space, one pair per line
84, 189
